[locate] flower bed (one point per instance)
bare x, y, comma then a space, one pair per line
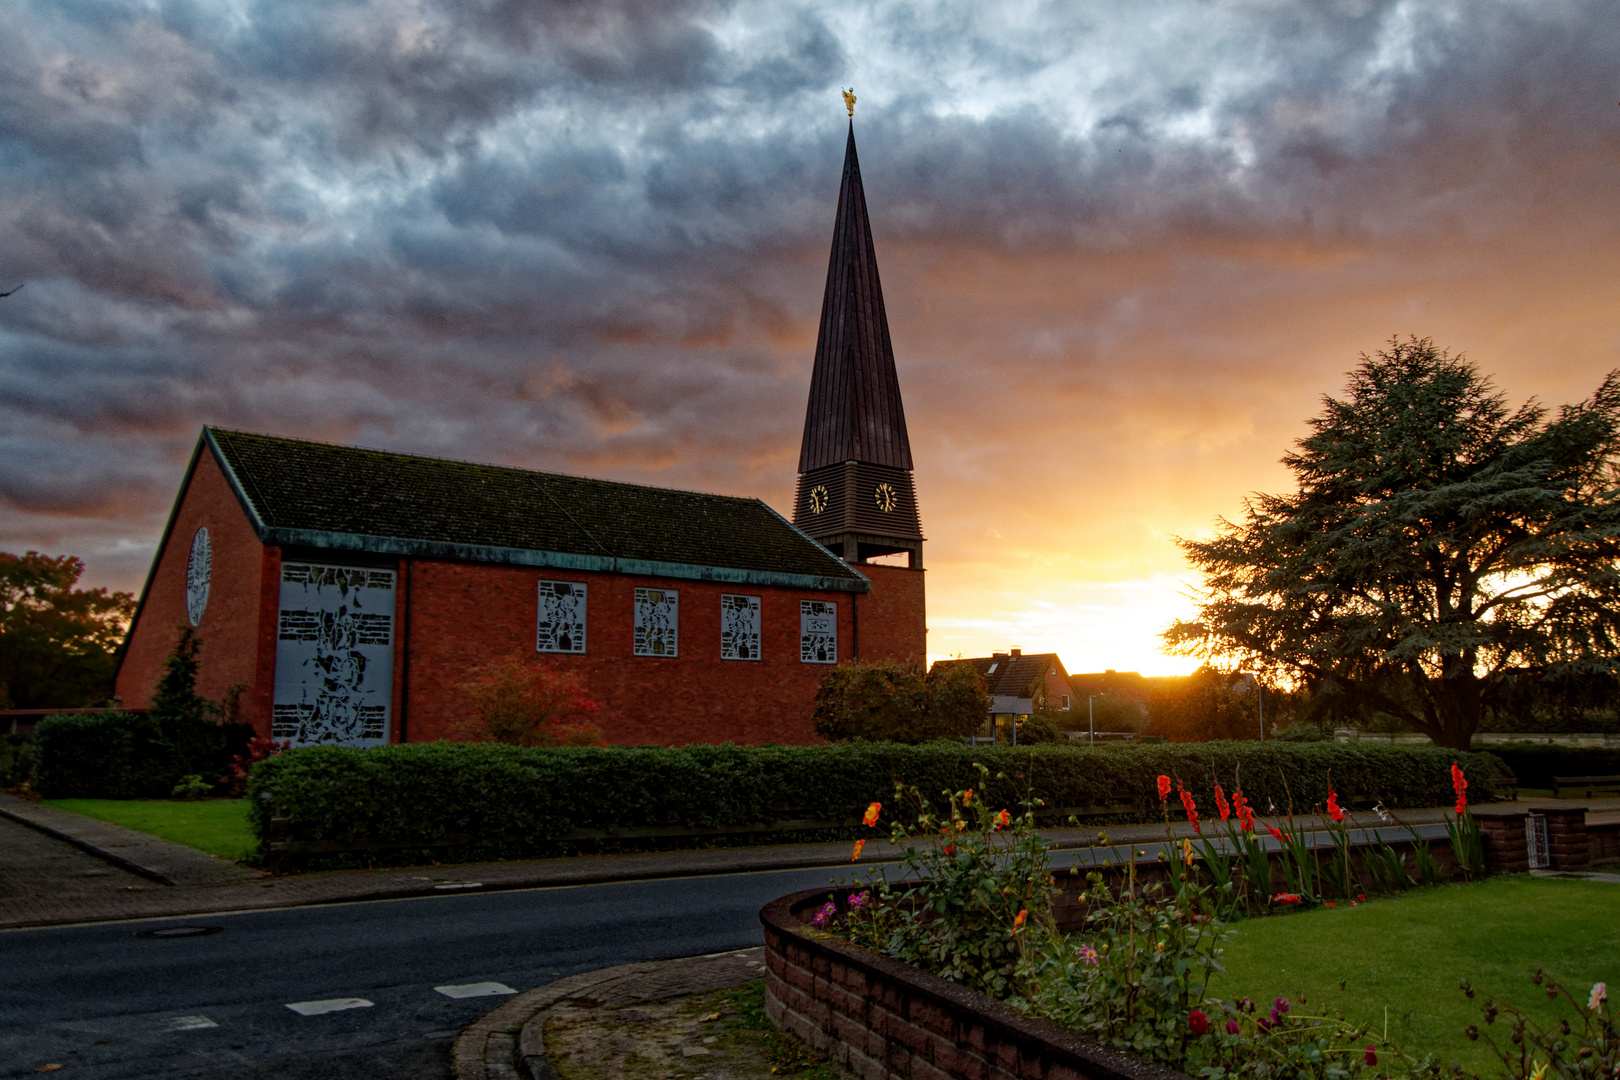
882, 1019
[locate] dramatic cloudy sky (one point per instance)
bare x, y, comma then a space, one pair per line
1126, 247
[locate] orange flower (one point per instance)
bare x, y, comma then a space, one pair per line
967, 796
872, 814
1018, 920
1003, 819
1164, 788
856, 854
1221, 804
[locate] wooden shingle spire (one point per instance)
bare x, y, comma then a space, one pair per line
855, 486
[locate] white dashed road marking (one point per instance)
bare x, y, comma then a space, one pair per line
471, 990
316, 1008
190, 1023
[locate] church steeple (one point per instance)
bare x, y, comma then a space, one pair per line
855, 487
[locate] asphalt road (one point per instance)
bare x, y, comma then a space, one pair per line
105, 1003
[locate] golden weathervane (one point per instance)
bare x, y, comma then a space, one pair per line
849, 101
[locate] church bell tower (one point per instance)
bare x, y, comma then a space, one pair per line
855, 489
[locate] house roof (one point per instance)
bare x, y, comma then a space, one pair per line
854, 412
315, 494
1013, 676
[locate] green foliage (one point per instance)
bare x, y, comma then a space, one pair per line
1437, 542
176, 694
429, 790
885, 700
192, 786
121, 755
1589, 1049
16, 760
974, 906
56, 641
1040, 728
971, 881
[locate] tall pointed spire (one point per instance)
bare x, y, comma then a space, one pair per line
855, 487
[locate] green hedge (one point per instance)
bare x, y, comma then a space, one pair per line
1535, 764
129, 755
16, 759
426, 791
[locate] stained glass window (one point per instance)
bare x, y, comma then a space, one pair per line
561, 623
818, 632
739, 627
657, 622
334, 656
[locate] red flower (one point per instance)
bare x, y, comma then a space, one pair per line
1329, 903
1371, 1056
1459, 784
1018, 920
1164, 788
1221, 804
1333, 806
950, 849
1191, 807
1231, 1027
1285, 898
1244, 812
1276, 834
967, 796
1197, 1022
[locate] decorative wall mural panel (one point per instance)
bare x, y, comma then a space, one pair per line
739, 627
561, 626
199, 568
657, 622
818, 632
334, 656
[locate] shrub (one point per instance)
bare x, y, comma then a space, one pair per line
521, 701
16, 760
129, 755
885, 700
430, 790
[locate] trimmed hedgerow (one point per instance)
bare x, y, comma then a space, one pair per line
427, 791
120, 755
1536, 764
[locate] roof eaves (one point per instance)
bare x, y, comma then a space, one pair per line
806, 536
237, 487
478, 553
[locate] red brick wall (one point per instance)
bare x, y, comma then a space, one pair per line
231, 626
893, 615
463, 615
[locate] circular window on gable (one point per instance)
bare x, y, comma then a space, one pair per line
199, 565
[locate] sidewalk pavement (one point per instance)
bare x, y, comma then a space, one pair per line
166, 879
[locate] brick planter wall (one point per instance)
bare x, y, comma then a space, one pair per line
882, 1019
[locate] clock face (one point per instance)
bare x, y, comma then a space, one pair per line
199, 567
818, 499
885, 497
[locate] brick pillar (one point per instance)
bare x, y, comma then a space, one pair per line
1566, 838
1507, 850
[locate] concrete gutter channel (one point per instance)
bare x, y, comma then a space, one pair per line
198, 883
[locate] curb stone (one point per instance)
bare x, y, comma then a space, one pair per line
509, 1043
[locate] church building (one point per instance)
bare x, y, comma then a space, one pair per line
347, 594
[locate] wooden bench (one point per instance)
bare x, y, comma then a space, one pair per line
1591, 785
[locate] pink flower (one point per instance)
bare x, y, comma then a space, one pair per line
825, 914
1088, 954
1197, 1022
1371, 1055
1600, 993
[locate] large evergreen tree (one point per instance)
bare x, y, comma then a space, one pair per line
1439, 545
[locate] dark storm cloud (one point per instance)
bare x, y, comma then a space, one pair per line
576, 234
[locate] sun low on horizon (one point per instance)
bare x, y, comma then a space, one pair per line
1125, 252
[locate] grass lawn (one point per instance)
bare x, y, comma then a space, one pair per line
217, 826
1407, 954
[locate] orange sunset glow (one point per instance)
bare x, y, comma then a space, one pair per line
1125, 252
